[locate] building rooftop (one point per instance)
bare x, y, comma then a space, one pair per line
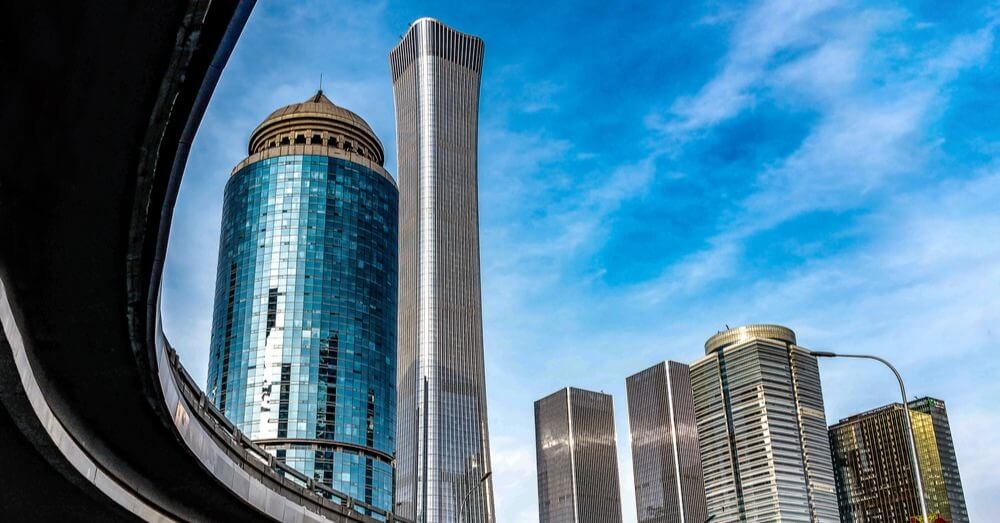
892, 406
317, 121
747, 333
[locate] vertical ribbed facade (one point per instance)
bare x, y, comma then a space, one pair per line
666, 461
950, 480
762, 429
874, 470
577, 458
442, 429
303, 350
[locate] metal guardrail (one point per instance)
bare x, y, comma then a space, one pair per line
229, 435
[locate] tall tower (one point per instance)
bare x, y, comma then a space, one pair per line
666, 461
444, 451
577, 458
950, 480
883, 489
303, 353
762, 429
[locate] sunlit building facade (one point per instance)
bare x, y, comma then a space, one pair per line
303, 350
666, 461
950, 480
762, 429
874, 469
577, 458
443, 452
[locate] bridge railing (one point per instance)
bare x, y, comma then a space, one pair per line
229, 435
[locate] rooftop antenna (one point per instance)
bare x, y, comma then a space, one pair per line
321, 82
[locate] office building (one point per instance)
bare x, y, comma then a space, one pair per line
303, 350
666, 461
874, 469
762, 429
576, 457
950, 480
443, 454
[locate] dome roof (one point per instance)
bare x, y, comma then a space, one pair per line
747, 333
317, 120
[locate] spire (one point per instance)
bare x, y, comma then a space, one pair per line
319, 97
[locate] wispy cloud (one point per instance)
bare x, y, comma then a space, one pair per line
768, 29
870, 136
619, 227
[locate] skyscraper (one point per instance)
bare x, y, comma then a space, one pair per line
303, 351
871, 457
950, 479
576, 456
762, 428
444, 442
666, 461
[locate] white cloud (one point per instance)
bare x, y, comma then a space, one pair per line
922, 286
866, 141
766, 29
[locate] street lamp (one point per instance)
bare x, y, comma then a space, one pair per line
461, 509
906, 410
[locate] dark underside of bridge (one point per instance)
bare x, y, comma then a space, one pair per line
98, 101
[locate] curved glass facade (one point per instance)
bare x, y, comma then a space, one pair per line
303, 353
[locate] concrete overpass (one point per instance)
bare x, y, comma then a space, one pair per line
99, 103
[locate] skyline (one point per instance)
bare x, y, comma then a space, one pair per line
641, 173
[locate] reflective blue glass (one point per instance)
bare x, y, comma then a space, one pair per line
303, 351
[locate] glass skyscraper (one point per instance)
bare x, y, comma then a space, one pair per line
871, 457
577, 459
666, 460
950, 480
762, 430
443, 452
303, 351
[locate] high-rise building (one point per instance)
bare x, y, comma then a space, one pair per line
576, 457
303, 350
762, 429
950, 479
874, 469
666, 461
443, 454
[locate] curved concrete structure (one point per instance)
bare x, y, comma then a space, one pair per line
98, 420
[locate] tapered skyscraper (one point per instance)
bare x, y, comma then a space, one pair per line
443, 450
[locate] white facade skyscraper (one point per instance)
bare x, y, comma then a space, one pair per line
762, 429
443, 452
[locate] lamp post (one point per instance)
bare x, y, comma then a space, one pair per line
909, 421
461, 508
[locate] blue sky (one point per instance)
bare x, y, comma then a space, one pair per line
652, 172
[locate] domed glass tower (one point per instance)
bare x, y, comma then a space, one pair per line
303, 351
